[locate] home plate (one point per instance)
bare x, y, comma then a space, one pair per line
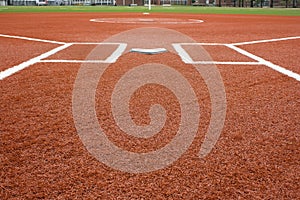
149, 51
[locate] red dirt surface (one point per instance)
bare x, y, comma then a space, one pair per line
283, 53
81, 51
256, 157
219, 53
17, 51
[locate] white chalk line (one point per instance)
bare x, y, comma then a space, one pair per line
31, 39
96, 43
10, 71
185, 57
266, 63
242, 43
196, 62
201, 43
117, 53
178, 47
225, 63
39, 59
73, 61
264, 41
110, 59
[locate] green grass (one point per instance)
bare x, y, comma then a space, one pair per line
158, 9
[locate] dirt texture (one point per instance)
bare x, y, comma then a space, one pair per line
256, 157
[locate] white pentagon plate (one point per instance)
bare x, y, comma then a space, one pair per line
149, 51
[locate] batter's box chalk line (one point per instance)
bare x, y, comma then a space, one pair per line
110, 59
185, 57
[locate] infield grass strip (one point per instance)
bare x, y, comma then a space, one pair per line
155, 9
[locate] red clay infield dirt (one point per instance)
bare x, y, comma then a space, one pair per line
256, 157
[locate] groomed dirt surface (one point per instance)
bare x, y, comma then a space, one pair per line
283, 53
256, 157
15, 51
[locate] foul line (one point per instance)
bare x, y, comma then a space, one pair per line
122, 46
111, 59
263, 41
17, 68
185, 57
266, 63
10, 71
31, 39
